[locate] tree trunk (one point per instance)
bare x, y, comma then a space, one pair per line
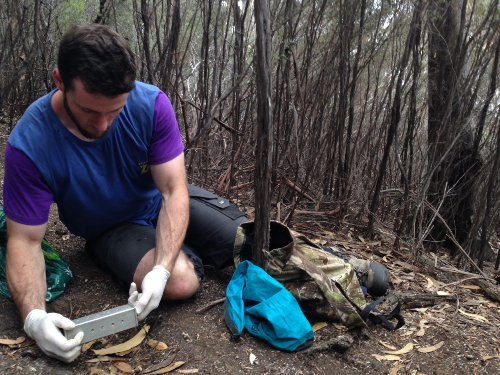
348, 142
173, 39
395, 114
147, 51
264, 134
496, 163
103, 13
451, 165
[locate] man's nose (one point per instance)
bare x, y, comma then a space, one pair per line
101, 123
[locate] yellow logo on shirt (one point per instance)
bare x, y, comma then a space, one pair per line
144, 166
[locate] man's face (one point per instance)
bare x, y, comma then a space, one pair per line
92, 114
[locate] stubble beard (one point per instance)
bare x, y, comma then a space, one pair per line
80, 128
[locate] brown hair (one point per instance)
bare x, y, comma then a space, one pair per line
100, 57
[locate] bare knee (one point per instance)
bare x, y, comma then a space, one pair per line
183, 281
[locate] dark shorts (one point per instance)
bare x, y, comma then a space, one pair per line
209, 240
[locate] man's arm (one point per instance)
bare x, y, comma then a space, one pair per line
25, 266
170, 178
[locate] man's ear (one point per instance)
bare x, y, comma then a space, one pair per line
58, 80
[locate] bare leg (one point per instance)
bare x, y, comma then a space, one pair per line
183, 281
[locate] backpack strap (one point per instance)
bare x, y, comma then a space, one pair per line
376, 317
235, 332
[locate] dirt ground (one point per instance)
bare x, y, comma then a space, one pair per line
462, 338
202, 340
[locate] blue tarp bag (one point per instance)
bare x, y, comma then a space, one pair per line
257, 302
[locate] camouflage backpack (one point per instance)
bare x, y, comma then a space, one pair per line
324, 285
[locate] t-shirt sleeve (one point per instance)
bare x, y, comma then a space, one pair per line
166, 142
26, 196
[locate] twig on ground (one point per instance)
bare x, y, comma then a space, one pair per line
229, 170
461, 281
211, 304
340, 343
452, 237
241, 186
155, 323
291, 184
450, 233
412, 300
326, 213
455, 270
458, 305
489, 290
160, 365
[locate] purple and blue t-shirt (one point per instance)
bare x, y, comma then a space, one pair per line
96, 184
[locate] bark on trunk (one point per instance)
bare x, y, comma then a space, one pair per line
264, 134
451, 160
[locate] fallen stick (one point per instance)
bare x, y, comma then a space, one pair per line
450, 233
228, 171
211, 304
461, 281
452, 237
289, 183
160, 365
455, 270
326, 213
411, 300
240, 186
340, 343
488, 289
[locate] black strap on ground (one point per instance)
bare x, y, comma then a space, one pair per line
376, 317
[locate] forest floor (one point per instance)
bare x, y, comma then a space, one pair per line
461, 337
468, 331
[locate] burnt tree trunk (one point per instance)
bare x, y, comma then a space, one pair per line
451, 160
264, 134
147, 50
173, 40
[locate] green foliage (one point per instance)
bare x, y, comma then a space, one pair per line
73, 12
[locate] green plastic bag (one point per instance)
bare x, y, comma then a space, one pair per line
57, 272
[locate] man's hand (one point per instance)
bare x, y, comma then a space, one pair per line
153, 286
44, 329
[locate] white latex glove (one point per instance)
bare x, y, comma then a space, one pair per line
44, 329
152, 286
